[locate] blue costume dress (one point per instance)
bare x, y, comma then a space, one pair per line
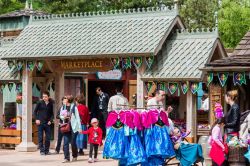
247, 155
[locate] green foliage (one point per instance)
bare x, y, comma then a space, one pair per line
234, 21
9, 5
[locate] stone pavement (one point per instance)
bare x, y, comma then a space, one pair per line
13, 158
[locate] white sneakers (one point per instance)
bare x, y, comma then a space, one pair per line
92, 160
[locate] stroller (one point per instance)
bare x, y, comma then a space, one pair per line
187, 154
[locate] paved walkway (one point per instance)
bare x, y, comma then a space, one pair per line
13, 158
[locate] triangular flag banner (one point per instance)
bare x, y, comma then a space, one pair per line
126, 63
2, 88
184, 87
137, 61
39, 65
19, 65
210, 78
19, 87
115, 62
150, 61
30, 65
10, 86
239, 78
194, 87
223, 78
161, 86
172, 87
11, 64
149, 86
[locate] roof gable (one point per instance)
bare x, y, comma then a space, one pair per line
76, 36
184, 55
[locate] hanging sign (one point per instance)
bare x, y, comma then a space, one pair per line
239, 78
149, 86
19, 65
161, 86
10, 86
19, 87
39, 65
115, 62
11, 64
150, 61
184, 87
194, 87
172, 87
223, 78
137, 61
210, 78
126, 63
110, 75
30, 65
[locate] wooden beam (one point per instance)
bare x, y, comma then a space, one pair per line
48, 64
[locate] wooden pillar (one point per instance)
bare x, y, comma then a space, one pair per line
86, 91
1, 109
59, 93
26, 145
191, 116
141, 91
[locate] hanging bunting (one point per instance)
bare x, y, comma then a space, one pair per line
2, 88
115, 62
194, 87
161, 86
150, 61
19, 65
11, 64
184, 87
10, 86
30, 65
210, 78
149, 86
172, 87
126, 63
239, 78
19, 87
223, 78
137, 61
39, 65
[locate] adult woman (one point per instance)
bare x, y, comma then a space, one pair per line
232, 118
81, 140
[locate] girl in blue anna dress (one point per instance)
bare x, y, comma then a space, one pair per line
157, 142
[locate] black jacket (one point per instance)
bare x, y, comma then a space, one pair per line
232, 119
96, 102
44, 112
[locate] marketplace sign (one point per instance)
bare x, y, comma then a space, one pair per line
110, 75
84, 65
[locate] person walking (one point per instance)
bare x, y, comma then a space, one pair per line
95, 139
218, 149
100, 107
81, 140
232, 118
44, 117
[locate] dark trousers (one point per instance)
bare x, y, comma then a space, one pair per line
225, 163
69, 138
95, 148
59, 140
41, 129
102, 117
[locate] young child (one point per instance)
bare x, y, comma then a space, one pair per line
94, 138
217, 152
178, 137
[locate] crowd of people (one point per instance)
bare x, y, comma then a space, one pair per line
79, 126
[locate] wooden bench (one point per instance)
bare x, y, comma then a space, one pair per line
8, 136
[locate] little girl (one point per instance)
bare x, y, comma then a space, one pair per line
217, 152
94, 138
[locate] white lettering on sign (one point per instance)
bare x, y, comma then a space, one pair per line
110, 75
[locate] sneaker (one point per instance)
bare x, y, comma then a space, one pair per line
74, 159
42, 153
90, 160
47, 153
65, 161
96, 160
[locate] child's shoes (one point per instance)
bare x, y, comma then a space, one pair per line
96, 160
90, 160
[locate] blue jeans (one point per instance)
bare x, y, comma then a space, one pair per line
69, 138
41, 129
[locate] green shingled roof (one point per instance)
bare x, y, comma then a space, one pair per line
184, 55
86, 35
